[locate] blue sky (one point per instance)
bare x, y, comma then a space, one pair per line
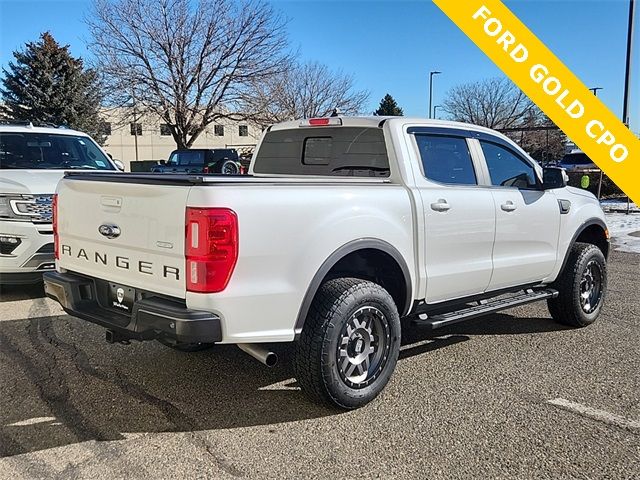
390, 46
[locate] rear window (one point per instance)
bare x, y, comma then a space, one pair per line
576, 159
325, 151
50, 151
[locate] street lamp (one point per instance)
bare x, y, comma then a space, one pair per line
595, 90
627, 76
435, 110
431, 74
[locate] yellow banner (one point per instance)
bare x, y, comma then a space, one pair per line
551, 86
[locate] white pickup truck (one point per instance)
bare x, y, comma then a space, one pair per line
345, 226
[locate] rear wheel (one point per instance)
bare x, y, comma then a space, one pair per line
582, 286
349, 346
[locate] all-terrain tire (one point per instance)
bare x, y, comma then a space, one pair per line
574, 306
326, 365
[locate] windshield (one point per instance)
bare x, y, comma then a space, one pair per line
50, 151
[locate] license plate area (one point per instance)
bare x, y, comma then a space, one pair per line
121, 298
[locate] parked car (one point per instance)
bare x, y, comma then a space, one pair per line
32, 161
578, 162
202, 160
345, 226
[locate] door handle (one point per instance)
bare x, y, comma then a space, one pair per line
509, 206
440, 206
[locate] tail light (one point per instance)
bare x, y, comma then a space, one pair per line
211, 248
56, 239
206, 169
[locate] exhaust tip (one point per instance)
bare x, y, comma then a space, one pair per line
260, 353
271, 359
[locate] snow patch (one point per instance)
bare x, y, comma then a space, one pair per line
625, 231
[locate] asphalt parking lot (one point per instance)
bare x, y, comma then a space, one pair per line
513, 395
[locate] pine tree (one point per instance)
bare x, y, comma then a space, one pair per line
45, 84
388, 106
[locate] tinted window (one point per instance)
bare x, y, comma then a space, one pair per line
347, 151
186, 158
576, 159
506, 168
50, 151
446, 159
229, 154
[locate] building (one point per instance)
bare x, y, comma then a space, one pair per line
147, 138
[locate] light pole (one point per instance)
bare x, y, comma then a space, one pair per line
435, 110
431, 74
627, 77
595, 90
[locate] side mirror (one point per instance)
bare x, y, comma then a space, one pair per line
162, 162
554, 177
119, 165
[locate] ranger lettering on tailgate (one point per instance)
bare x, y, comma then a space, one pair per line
120, 261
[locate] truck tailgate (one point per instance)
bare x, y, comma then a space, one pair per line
131, 234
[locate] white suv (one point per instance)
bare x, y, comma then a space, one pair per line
32, 161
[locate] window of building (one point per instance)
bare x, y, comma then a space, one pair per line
106, 128
136, 129
508, 169
218, 130
446, 159
243, 130
165, 130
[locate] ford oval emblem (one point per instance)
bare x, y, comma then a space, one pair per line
109, 230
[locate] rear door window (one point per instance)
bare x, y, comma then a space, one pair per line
324, 151
446, 159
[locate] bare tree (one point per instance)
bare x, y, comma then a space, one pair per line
494, 103
186, 61
303, 90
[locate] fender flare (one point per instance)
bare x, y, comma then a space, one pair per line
339, 254
588, 223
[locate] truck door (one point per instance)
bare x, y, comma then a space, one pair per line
459, 215
527, 218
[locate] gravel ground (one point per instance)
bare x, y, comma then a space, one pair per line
470, 401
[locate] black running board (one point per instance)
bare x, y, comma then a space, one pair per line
485, 307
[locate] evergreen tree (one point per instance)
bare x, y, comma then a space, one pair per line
388, 106
45, 84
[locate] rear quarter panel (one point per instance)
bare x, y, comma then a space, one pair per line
286, 232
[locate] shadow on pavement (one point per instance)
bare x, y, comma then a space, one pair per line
62, 384
11, 293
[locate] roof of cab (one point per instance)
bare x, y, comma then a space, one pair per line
28, 128
373, 121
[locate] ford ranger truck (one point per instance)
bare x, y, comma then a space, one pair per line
344, 227
32, 161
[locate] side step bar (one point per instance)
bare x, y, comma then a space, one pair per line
485, 307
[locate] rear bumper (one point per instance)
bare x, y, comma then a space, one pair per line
151, 316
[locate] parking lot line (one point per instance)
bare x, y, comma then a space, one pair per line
595, 414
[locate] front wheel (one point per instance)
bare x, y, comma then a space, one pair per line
582, 286
350, 343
